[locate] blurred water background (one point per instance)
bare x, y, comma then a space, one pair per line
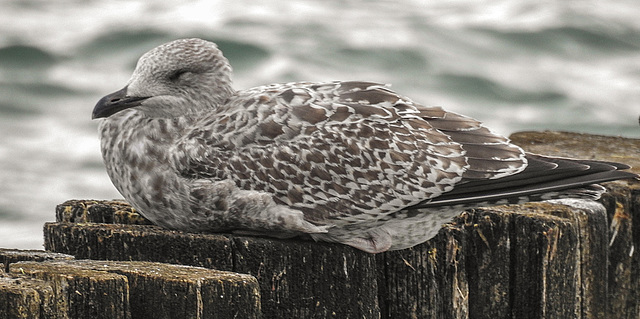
516, 65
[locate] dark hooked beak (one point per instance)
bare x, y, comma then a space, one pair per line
114, 103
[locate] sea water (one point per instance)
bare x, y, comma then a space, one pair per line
515, 65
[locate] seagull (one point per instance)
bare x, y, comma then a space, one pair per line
351, 162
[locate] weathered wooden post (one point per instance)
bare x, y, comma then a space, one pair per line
564, 259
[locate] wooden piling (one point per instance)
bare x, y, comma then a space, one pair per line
120, 289
536, 260
566, 259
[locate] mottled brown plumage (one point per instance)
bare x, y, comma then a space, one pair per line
350, 162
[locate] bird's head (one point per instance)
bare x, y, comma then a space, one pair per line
175, 79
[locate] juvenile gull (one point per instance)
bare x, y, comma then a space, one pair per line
348, 162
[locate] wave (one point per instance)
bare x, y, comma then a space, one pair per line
25, 56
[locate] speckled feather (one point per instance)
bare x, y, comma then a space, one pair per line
350, 162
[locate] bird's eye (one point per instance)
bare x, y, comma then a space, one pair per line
175, 75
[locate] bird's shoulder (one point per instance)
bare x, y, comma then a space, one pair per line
284, 112
338, 102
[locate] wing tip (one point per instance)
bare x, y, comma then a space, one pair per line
585, 173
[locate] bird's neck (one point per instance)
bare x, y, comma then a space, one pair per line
135, 147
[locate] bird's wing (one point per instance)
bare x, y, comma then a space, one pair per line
343, 150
